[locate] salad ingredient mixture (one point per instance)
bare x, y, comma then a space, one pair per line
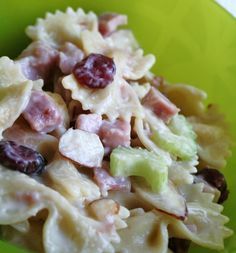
98, 154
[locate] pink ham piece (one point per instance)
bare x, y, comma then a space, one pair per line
108, 22
89, 122
38, 61
41, 112
114, 134
69, 55
160, 104
106, 182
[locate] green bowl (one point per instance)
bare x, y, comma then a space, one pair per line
194, 41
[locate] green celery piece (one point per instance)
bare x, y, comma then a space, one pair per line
178, 139
126, 162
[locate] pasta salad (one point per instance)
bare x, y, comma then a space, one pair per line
98, 154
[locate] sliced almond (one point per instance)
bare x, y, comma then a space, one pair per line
102, 209
82, 147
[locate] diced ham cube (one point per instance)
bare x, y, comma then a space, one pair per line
106, 182
42, 113
69, 55
114, 134
38, 61
89, 122
160, 104
108, 22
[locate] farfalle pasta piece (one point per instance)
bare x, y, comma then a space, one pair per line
93, 42
13, 101
61, 27
210, 126
146, 232
137, 65
189, 99
212, 137
10, 73
213, 145
117, 100
123, 39
204, 216
195, 193
200, 227
180, 172
168, 201
62, 222
15, 91
130, 62
63, 176
132, 65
